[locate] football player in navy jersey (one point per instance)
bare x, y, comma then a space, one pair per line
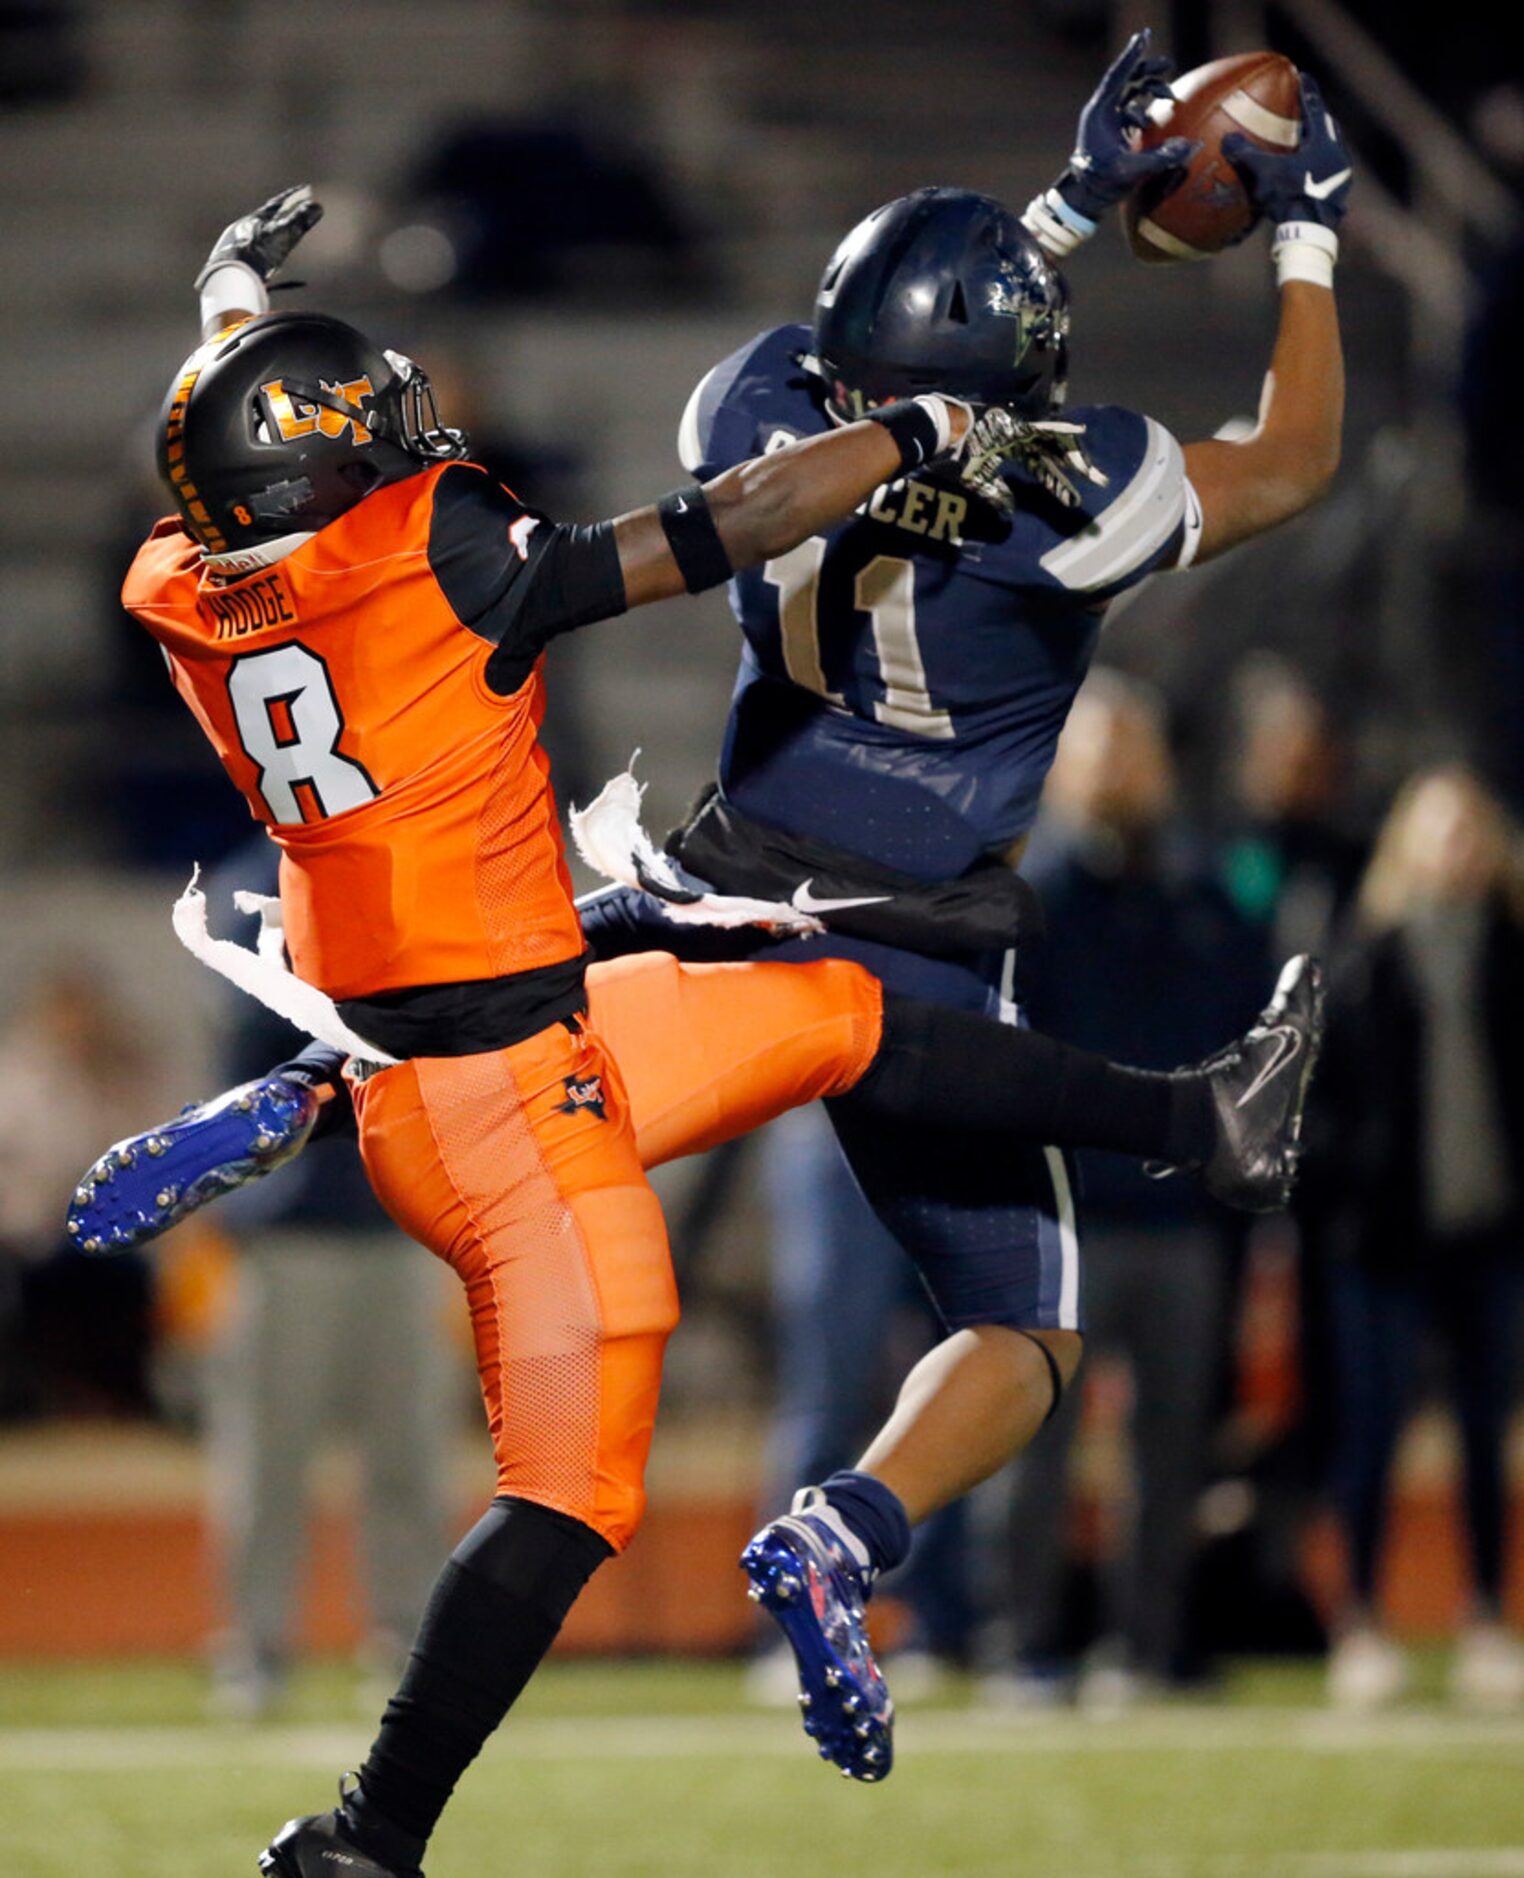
903, 682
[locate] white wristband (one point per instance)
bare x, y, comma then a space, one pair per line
232, 287
1304, 251
1056, 228
940, 410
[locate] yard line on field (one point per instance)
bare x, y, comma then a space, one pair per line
1196, 1729
1438, 1862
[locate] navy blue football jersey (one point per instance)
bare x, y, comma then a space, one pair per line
906, 674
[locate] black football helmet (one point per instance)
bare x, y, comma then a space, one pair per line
942, 290
282, 424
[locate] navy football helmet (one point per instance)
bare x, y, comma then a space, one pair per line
942, 290
282, 424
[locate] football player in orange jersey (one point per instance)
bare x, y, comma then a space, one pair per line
356, 615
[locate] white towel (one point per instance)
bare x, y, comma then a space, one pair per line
610, 839
263, 973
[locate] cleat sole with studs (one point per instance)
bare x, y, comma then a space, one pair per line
850, 1722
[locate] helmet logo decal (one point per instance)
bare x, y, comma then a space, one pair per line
1011, 299
295, 417
1037, 319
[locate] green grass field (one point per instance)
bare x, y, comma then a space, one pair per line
659, 1770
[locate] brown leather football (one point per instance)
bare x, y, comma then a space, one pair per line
1193, 215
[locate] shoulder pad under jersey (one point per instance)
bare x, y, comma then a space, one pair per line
733, 406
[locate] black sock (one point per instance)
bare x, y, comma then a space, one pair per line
874, 1514
968, 1072
493, 1614
321, 1068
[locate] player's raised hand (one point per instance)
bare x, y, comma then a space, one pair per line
1308, 184
1107, 162
263, 239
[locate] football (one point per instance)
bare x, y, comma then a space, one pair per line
1192, 215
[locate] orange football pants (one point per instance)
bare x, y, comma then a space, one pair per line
524, 1170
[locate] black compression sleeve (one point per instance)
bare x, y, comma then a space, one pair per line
493, 1614
694, 539
512, 577
572, 578
936, 1064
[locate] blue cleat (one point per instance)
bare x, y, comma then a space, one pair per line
802, 1572
149, 1182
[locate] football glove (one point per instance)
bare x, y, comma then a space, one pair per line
262, 240
1107, 162
1308, 184
1050, 451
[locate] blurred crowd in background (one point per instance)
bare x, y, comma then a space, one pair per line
568, 212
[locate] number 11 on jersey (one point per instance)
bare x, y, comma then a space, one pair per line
885, 591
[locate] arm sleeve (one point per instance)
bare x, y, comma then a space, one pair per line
513, 577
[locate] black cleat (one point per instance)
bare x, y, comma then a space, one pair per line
319, 1846
1259, 1089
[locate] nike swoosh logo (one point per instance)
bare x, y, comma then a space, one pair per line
1289, 1044
804, 901
1328, 185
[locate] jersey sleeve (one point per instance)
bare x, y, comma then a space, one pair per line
1144, 519
513, 577
153, 583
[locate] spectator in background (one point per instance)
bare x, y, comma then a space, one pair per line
1292, 868
1145, 954
1420, 1127
337, 1325
74, 1331
1288, 865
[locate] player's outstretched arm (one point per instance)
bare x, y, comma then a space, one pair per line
1289, 460
770, 504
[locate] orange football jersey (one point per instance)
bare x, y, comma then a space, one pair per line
347, 691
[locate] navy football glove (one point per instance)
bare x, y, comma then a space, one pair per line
264, 238
1107, 162
1308, 184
